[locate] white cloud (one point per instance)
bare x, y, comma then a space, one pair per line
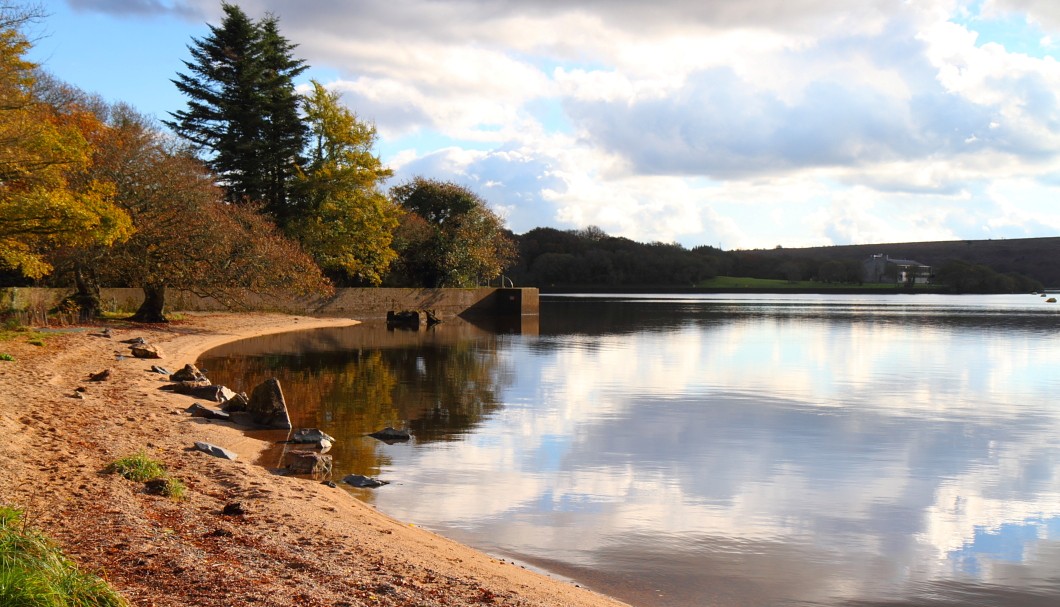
835, 122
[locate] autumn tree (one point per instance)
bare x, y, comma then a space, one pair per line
187, 236
41, 146
242, 110
449, 238
344, 220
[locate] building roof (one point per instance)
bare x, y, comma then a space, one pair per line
900, 262
904, 262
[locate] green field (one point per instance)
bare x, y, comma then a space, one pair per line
736, 282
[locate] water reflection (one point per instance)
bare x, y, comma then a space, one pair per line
440, 383
673, 452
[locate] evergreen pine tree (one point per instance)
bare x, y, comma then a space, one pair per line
285, 133
243, 110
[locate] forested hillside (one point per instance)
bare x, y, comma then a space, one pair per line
1037, 258
591, 258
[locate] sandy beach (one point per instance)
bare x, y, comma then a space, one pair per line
299, 543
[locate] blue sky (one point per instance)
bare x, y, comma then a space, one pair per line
719, 122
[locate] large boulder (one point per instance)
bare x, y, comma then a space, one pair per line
267, 406
146, 351
188, 373
316, 464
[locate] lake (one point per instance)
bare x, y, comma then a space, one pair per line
681, 451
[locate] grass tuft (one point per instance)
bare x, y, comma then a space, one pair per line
138, 467
6, 356
35, 573
174, 489
141, 468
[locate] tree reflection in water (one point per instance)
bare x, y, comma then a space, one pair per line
440, 383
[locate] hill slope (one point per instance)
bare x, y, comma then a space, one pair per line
1037, 258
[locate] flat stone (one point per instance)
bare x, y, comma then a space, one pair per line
197, 410
310, 435
367, 482
198, 389
215, 451
389, 434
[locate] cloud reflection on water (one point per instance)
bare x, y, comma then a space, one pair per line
822, 450
880, 454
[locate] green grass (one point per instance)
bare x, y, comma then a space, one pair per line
35, 573
12, 330
138, 467
141, 468
6, 356
174, 489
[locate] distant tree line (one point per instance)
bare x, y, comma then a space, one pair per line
964, 277
589, 257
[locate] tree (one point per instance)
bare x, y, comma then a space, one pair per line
344, 220
965, 277
187, 236
285, 132
41, 145
449, 238
243, 109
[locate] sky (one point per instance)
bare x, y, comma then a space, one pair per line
730, 123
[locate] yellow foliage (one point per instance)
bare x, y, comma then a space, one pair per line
347, 223
41, 148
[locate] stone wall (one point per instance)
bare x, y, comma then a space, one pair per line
353, 303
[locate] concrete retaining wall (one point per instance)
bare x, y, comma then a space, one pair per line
352, 303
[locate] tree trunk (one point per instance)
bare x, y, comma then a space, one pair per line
153, 307
87, 296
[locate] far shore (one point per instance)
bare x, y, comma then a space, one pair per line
793, 290
299, 542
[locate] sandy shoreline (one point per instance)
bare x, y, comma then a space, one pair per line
301, 543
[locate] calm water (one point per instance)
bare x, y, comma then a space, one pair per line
765, 450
